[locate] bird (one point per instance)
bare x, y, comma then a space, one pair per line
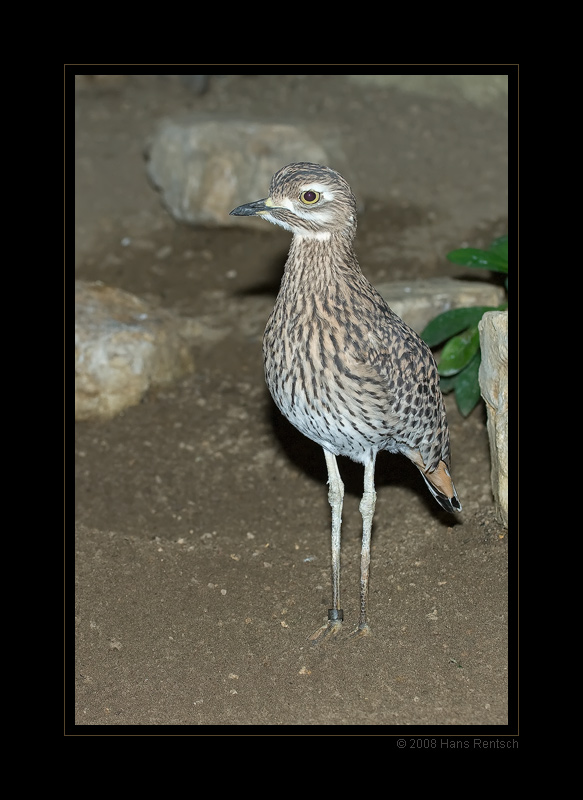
341, 366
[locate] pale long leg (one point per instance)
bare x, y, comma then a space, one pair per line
367, 506
336, 499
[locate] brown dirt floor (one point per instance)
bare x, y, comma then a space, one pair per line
202, 521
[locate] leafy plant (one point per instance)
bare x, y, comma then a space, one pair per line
460, 358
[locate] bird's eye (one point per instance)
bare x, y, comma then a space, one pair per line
310, 197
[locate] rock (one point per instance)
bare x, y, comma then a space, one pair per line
122, 347
493, 379
418, 302
205, 168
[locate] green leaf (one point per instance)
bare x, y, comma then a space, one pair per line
482, 259
447, 384
451, 322
459, 351
467, 386
500, 247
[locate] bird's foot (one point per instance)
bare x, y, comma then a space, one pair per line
327, 631
362, 630
330, 629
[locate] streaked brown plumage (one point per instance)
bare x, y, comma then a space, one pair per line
340, 365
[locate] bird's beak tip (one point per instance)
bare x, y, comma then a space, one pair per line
250, 209
253, 209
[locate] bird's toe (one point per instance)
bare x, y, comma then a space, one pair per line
362, 630
327, 631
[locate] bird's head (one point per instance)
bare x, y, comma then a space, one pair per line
309, 200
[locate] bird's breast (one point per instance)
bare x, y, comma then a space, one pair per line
317, 372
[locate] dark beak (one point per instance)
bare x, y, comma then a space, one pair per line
250, 209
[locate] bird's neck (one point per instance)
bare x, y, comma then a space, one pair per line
330, 251
317, 265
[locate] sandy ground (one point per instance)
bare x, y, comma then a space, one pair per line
202, 521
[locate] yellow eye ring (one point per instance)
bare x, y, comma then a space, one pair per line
309, 197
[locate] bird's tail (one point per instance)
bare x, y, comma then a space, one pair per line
441, 486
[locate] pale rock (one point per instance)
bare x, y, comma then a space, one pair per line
205, 168
493, 379
123, 346
418, 302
